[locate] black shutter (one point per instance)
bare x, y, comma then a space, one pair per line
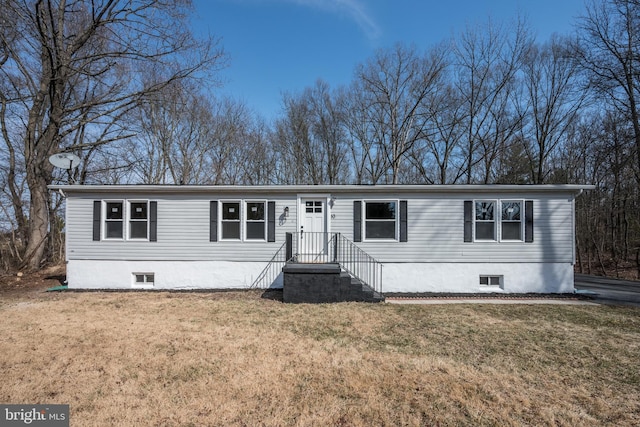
403, 220
153, 221
271, 221
213, 221
357, 221
97, 209
468, 221
528, 221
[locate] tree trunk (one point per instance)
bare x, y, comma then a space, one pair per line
599, 256
579, 256
38, 222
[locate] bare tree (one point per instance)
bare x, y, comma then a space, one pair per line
367, 161
551, 101
311, 138
610, 52
187, 137
300, 160
231, 133
70, 63
173, 136
607, 140
600, 151
396, 83
327, 129
257, 159
449, 131
487, 60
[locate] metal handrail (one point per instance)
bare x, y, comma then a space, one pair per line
310, 247
271, 272
358, 263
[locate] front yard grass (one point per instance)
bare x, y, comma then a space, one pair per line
237, 359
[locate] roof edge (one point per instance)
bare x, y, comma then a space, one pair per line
434, 188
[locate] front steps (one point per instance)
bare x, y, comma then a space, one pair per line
324, 283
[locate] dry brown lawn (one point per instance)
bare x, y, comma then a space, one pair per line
220, 359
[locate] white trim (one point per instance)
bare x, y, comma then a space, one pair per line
522, 221
497, 220
103, 220
573, 230
396, 220
301, 211
145, 284
496, 226
126, 220
489, 285
326, 189
129, 220
245, 220
220, 219
66, 234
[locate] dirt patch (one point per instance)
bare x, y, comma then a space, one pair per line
27, 285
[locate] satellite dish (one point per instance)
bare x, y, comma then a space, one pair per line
66, 161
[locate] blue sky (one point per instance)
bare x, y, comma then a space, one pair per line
278, 46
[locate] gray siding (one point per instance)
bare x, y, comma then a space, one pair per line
435, 230
183, 231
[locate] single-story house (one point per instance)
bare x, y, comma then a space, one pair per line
397, 238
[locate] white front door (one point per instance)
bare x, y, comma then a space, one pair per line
312, 243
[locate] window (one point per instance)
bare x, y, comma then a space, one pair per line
494, 281
485, 220
134, 213
143, 279
241, 220
511, 221
231, 220
313, 206
255, 221
138, 220
114, 220
125, 220
380, 220
489, 280
498, 220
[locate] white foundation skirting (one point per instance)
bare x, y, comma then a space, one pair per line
397, 277
84, 274
465, 277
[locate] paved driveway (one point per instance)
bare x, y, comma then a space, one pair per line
609, 291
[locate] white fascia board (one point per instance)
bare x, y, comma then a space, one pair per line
315, 189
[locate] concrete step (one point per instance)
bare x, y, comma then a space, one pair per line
324, 283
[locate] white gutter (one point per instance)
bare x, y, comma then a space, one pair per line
392, 189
